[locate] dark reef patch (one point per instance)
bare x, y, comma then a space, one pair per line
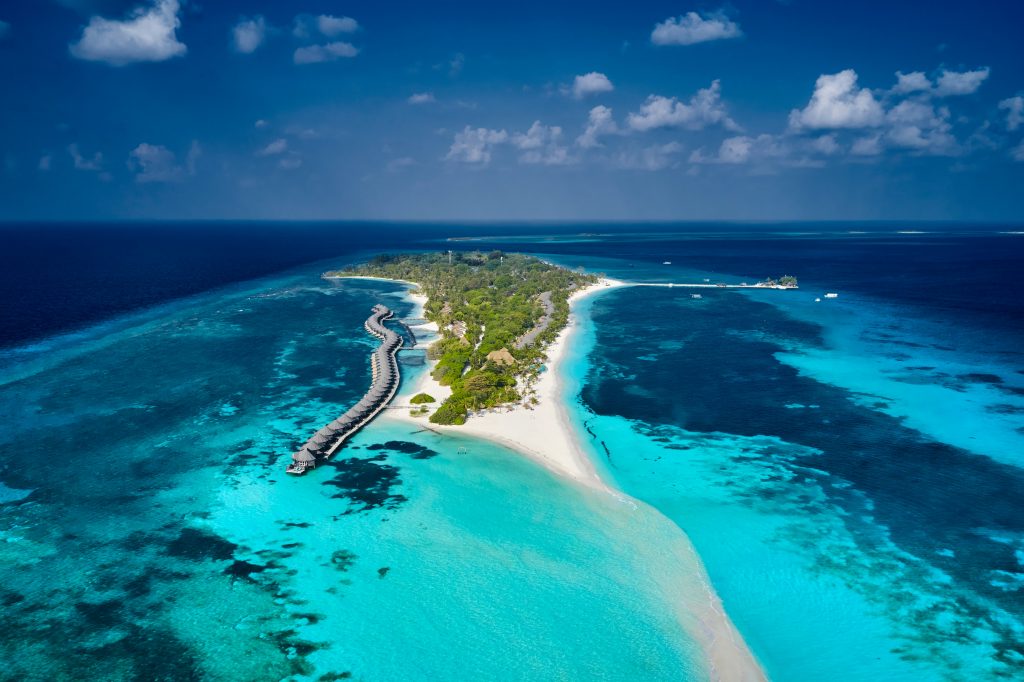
102, 614
366, 483
383, 571
343, 560
244, 569
980, 378
198, 545
1004, 408
415, 450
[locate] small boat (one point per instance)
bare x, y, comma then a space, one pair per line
706, 280
817, 300
831, 295
696, 296
667, 262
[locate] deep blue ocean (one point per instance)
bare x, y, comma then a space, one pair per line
849, 470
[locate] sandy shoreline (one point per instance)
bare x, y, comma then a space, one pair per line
543, 433
546, 435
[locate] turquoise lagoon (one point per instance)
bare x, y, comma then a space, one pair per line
848, 474
149, 531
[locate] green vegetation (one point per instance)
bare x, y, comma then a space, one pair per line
786, 281
482, 303
421, 398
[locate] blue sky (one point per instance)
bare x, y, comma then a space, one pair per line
757, 110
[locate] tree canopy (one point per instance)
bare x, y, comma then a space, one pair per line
482, 302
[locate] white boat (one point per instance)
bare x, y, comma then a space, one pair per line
696, 296
831, 295
667, 262
817, 300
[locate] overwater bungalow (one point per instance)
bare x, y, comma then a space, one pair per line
382, 388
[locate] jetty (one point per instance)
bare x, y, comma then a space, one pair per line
687, 285
384, 384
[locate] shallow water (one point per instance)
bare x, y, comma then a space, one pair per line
849, 474
149, 531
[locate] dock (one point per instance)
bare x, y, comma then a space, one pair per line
385, 378
687, 285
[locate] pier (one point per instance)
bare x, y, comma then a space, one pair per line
687, 285
384, 384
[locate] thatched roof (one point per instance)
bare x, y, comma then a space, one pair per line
501, 357
303, 455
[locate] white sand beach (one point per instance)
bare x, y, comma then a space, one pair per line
544, 433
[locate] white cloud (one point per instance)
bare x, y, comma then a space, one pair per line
83, 163
261, 123
45, 161
599, 124
837, 103
952, 83
742, 149
541, 144
704, 109
192, 158
653, 158
422, 98
1017, 153
456, 64
278, 146
248, 34
156, 163
914, 81
290, 162
474, 145
148, 35
592, 83
869, 145
826, 145
1014, 111
692, 28
332, 26
735, 150
313, 54
917, 126
5, 29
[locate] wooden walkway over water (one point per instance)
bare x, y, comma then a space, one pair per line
383, 386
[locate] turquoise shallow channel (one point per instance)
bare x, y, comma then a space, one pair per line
150, 532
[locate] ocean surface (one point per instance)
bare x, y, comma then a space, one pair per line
849, 470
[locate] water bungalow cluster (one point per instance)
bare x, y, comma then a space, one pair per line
384, 384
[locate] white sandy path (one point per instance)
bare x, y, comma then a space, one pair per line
546, 435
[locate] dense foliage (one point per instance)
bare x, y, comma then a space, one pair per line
482, 302
421, 398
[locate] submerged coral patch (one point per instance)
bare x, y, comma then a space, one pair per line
366, 483
415, 450
343, 559
197, 545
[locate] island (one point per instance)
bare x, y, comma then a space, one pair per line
495, 314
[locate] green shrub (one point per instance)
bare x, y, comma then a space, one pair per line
421, 398
450, 412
